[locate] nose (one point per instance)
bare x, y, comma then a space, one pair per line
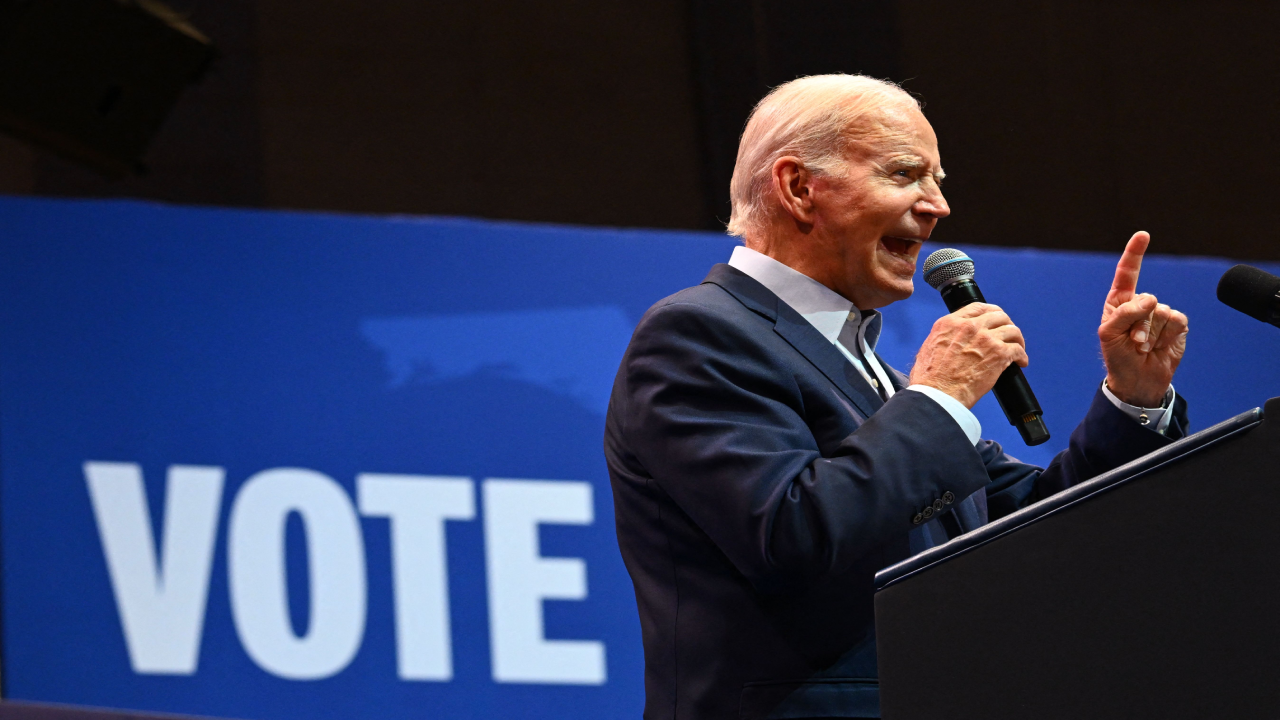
933, 203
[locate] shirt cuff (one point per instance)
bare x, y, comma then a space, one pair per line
1155, 418
965, 419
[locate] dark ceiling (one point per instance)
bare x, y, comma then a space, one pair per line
1062, 123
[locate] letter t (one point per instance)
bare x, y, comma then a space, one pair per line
418, 506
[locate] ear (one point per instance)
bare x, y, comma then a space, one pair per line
793, 185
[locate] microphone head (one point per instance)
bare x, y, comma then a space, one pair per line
945, 266
1254, 292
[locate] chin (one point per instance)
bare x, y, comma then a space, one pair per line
891, 292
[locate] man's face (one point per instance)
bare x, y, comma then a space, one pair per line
873, 220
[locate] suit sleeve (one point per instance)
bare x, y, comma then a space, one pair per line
721, 430
1106, 439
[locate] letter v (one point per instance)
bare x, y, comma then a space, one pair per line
161, 606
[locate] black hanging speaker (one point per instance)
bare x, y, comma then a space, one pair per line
92, 80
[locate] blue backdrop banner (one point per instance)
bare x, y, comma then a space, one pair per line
289, 466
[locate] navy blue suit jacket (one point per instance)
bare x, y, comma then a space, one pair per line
759, 483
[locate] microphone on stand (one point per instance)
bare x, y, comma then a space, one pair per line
1254, 292
951, 273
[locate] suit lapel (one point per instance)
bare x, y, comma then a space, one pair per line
800, 335
816, 349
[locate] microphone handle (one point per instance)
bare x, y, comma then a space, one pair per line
1012, 390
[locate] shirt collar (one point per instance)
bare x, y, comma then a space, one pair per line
824, 308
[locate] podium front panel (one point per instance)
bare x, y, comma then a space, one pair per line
1149, 592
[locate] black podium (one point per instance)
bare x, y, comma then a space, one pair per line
1152, 591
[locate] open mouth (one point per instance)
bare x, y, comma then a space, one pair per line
904, 248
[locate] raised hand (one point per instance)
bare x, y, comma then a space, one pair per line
1142, 339
967, 350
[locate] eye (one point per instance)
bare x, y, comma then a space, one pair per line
903, 173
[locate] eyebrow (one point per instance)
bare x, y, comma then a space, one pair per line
906, 160
912, 160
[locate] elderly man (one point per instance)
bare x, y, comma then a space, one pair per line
766, 463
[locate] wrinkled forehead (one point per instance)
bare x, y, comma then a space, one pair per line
893, 130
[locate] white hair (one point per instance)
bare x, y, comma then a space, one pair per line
813, 119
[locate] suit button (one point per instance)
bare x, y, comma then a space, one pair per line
917, 519
927, 512
948, 497
937, 506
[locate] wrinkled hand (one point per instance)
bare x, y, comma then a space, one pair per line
1142, 339
967, 350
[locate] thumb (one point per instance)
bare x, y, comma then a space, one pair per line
1132, 318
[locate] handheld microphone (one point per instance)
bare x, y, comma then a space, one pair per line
951, 273
1254, 292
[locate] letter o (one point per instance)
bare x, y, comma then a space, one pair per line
336, 568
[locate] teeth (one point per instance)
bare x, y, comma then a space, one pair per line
905, 254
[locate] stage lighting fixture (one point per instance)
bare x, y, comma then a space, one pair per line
92, 80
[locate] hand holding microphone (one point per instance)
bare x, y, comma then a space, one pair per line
976, 349
967, 350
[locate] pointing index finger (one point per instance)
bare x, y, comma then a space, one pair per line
1126, 281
